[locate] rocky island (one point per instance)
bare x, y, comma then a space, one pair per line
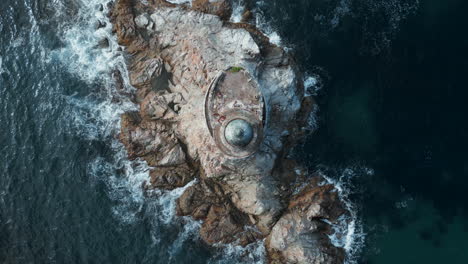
222, 106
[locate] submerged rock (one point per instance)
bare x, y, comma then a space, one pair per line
196, 73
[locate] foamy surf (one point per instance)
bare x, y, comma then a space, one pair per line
238, 8
97, 117
348, 231
254, 253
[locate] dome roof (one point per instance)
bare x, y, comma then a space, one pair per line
239, 133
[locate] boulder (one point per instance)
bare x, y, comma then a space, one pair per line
144, 71
142, 21
151, 141
301, 234
172, 177
223, 223
157, 106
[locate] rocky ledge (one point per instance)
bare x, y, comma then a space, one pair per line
177, 56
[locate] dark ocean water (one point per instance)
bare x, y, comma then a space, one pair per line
391, 128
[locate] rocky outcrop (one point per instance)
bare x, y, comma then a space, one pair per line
220, 8
175, 55
301, 234
223, 222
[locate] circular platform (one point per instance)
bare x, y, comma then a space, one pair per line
234, 112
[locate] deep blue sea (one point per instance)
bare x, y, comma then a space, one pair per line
390, 79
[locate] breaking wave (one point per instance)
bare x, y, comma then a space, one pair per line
349, 230
97, 118
238, 8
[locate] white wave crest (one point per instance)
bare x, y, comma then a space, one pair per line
96, 117
180, 1
251, 254
348, 231
238, 8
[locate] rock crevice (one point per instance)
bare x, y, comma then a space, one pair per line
174, 54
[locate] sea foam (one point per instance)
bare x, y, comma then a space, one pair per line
97, 117
348, 230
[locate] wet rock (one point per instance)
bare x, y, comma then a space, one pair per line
301, 234
100, 24
169, 178
318, 202
100, 7
151, 141
223, 223
197, 200
174, 54
122, 19
247, 16
150, 27
220, 8
103, 43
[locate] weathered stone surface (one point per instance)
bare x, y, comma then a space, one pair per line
172, 177
197, 200
144, 71
175, 53
300, 235
157, 106
122, 18
221, 8
151, 141
223, 223
296, 240
318, 202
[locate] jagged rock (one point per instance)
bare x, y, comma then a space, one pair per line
151, 141
318, 202
223, 223
103, 43
122, 20
197, 200
300, 235
100, 24
173, 63
100, 7
150, 26
161, 106
175, 156
144, 71
297, 240
220, 8
172, 177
